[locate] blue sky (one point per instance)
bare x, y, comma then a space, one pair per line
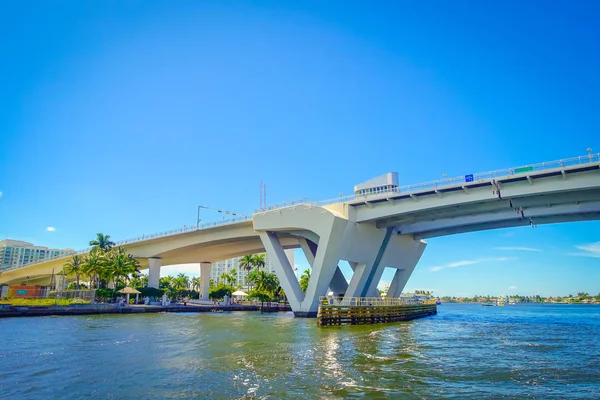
122, 117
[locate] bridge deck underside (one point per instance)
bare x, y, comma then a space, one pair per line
497, 213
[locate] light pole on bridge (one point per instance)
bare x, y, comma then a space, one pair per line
589, 150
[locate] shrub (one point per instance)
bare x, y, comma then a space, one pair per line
104, 294
218, 292
151, 292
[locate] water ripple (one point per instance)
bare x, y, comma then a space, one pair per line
466, 351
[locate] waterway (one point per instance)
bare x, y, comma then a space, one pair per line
466, 351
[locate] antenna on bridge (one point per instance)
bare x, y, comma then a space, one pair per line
260, 206
263, 196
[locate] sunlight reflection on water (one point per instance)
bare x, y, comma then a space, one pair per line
467, 351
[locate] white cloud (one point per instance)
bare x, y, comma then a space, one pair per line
470, 262
512, 287
517, 248
589, 250
0, 194
50, 229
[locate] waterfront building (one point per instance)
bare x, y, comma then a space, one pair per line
219, 267
16, 253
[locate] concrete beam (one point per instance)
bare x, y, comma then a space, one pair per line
509, 214
509, 224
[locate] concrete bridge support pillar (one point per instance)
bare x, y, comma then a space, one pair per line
327, 237
154, 272
402, 274
60, 282
338, 284
205, 268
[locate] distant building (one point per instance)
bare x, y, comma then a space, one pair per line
220, 267
16, 253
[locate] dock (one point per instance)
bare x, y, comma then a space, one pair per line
370, 310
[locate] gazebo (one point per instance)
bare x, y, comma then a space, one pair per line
239, 294
129, 290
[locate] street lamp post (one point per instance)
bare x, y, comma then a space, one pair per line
589, 150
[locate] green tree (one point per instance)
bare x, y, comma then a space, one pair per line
219, 291
93, 264
196, 282
247, 263
229, 278
258, 260
138, 279
102, 242
74, 266
181, 282
267, 284
119, 264
304, 278
166, 282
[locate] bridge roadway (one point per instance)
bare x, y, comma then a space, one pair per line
383, 229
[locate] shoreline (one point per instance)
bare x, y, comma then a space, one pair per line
92, 309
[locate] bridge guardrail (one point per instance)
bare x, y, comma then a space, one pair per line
469, 178
365, 301
186, 228
406, 189
284, 204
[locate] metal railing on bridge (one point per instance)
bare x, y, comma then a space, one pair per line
185, 228
452, 181
366, 301
406, 189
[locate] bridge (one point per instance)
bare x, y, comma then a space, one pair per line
381, 225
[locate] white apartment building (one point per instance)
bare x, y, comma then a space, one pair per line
220, 267
16, 253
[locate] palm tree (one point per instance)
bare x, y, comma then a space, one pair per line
166, 282
232, 278
137, 279
252, 278
92, 266
120, 264
196, 283
185, 280
74, 266
247, 263
102, 242
304, 278
267, 284
258, 260
225, 276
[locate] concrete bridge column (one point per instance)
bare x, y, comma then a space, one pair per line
205, 268
338, 284
154, 272
402, 274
